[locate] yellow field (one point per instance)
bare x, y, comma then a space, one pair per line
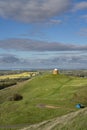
21, 75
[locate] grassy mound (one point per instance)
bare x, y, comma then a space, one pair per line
44, 97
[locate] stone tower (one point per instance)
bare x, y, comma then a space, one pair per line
55, 71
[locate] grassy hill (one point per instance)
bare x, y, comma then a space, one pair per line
44, 97
73, 121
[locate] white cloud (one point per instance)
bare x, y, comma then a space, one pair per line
83, 32
80, 6
84, 17
53, 21
33, 10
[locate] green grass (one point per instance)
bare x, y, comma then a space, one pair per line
55, 90
72, 121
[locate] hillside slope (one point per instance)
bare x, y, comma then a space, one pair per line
44, 97
73, 121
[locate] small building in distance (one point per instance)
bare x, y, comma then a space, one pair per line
55, 71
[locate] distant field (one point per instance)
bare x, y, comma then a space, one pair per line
44, 97
20, 75
12, 78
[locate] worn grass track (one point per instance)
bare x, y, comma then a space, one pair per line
72, 121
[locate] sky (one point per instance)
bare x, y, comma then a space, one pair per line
43, 34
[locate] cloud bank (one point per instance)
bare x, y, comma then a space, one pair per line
34, 45
70, 60
33, 10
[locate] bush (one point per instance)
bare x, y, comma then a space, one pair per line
16, 97
4, 84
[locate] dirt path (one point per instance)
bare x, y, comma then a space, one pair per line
47, 106
50, 124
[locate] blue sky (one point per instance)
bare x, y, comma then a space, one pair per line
43, 34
